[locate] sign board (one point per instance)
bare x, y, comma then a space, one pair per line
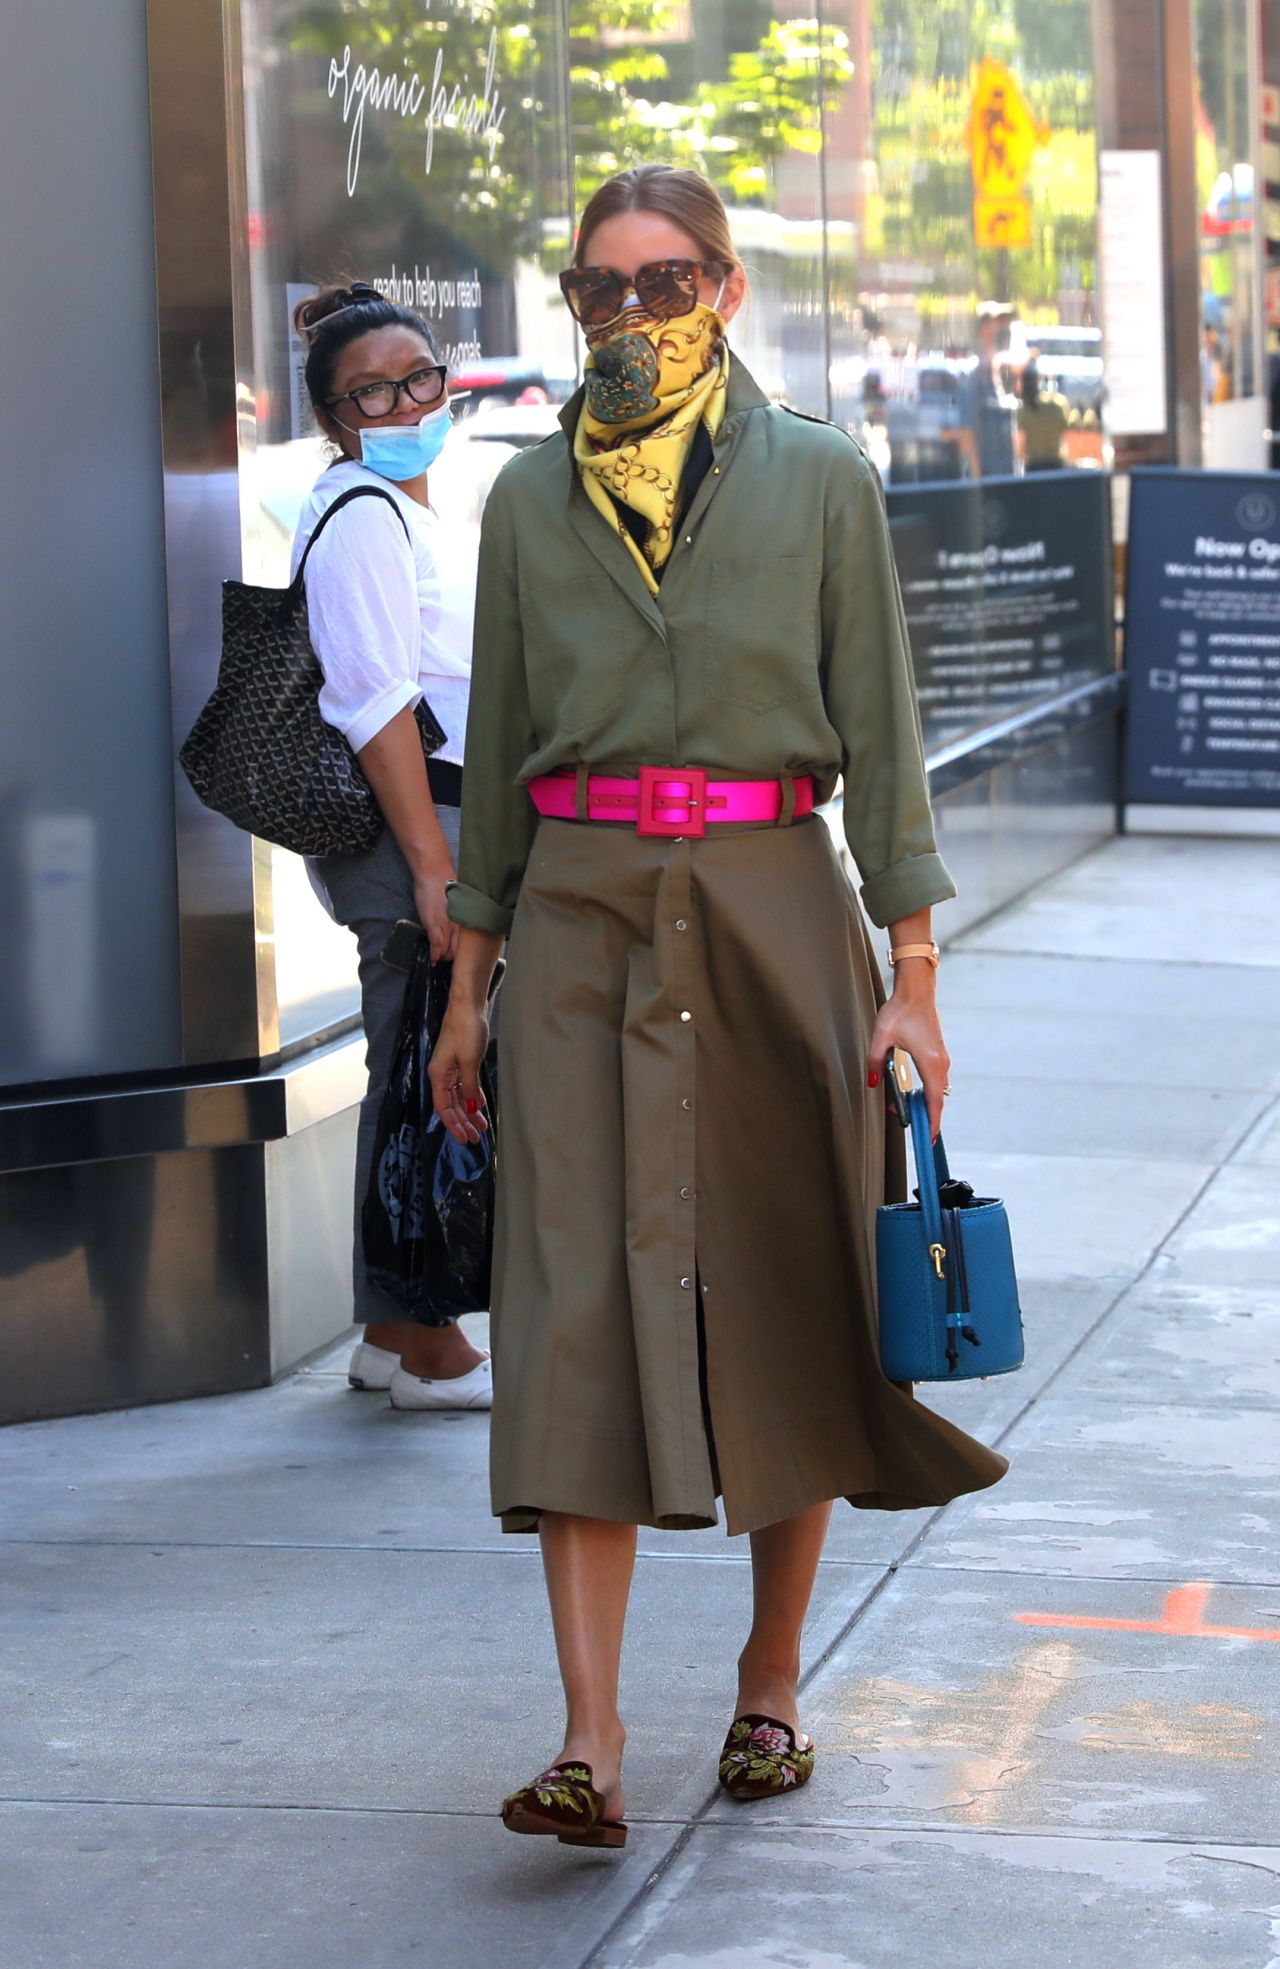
1007, 591
1003, 133
1002, 221
1131, 255
1202, 639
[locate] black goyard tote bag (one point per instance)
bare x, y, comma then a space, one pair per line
260, 752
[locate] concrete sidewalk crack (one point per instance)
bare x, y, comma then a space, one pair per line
1230, 1859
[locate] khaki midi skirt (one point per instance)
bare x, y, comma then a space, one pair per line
691, 1161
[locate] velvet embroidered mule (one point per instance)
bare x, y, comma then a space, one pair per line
565, 1803
763, 1758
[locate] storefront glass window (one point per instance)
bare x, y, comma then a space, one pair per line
913, 190
730, 89
425, 149
963, 172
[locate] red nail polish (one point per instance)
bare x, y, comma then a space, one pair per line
473, 1107
873, 1080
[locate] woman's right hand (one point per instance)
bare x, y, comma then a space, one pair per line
455, 1072
431, 904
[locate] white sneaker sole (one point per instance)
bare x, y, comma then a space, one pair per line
413, 1393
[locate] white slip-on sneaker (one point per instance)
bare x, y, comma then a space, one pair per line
473, 1390
371, 1368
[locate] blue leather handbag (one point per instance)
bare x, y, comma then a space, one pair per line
948, 1295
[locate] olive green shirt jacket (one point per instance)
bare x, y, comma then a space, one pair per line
776, 646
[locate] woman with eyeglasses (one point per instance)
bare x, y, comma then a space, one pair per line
390, 598
688, 626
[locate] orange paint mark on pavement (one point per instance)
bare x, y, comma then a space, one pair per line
1184, 1608
1184, 1611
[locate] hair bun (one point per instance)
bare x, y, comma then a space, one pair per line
311, 314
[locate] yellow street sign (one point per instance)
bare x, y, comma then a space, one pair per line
1003, 133
1002, 221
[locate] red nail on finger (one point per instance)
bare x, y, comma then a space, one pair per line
473, 1107
873, 1079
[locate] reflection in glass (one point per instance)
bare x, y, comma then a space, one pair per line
419, 145
441, 148
1225, 191
925, 371
727, 88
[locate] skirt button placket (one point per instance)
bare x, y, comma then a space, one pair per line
680, 873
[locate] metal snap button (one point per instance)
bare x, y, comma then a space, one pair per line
681, 924
685, 1018
686, 1284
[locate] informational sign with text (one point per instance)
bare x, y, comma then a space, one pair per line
1202, 639
1007, 589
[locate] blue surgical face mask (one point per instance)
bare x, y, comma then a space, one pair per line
401, 452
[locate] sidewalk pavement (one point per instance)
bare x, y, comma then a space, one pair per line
268, 1667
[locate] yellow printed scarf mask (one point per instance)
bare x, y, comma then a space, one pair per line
648, 389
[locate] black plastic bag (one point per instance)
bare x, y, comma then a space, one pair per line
428, 1212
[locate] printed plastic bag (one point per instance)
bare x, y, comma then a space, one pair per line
428, 1213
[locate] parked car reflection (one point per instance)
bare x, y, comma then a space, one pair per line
514, 424
506, 379
926, 405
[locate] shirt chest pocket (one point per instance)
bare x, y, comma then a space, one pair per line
575, 660
762, 640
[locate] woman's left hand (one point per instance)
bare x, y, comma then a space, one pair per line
910, 1019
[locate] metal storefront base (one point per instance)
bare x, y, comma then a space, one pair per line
173, 1241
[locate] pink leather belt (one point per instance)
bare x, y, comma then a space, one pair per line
669, 800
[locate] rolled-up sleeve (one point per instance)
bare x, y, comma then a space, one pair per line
498, 817
364, 619
871, 701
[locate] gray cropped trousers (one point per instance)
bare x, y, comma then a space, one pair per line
368, 894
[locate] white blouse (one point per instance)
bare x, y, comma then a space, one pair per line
390, 619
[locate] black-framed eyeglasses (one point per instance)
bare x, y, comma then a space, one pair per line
664, 288
422, 386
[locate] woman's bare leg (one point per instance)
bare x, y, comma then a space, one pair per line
784, 1565
589, 1564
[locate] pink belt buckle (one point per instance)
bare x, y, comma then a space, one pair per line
673, 802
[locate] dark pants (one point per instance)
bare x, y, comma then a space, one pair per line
369, 894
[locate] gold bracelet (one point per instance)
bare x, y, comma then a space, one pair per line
929, 950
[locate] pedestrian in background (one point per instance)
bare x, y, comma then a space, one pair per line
984, 432
1043, 420
687, 626
390, 598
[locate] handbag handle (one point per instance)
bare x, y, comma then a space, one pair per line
931, 1165
331, 512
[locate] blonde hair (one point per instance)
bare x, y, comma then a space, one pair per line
688, 199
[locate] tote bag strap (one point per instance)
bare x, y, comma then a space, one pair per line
331, 512
931, 1165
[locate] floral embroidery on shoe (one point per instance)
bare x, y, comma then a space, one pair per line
762, 1757
562, 1788
768, 1741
